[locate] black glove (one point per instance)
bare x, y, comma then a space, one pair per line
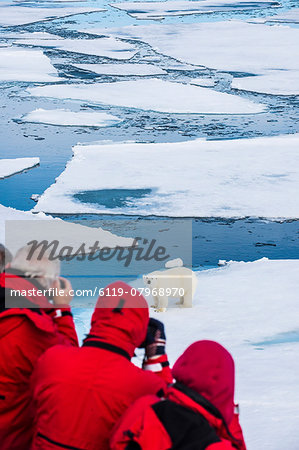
155, 340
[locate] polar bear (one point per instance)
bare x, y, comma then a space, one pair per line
177, 282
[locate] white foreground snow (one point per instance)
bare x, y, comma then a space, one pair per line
18, 64
232, 178
159, 10
276, 82
9, 167
21, 15
122, 69
65, 117
239, 306
67, 233
108, 47
257, 49
153, 94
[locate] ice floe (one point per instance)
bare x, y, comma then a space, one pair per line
9, 167
22, 15
258, 49
108, 47
18, 64
276, 82
67, 233
232, 178
122, 69
65, 117
159, 10
153, 94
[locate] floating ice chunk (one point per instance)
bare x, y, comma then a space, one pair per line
279, 82
153, 94
65, 117
208, 82
67, 233
233, 178
18, 64
107, 47
9, 167
21, 15
257, 47
291, 16
122, 69
158, 10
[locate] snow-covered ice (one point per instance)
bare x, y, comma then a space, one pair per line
18, 64
67, 233
258, 48
22, 15
275, 82
240, 305
159, 10
65, 117
108, 47
122, 69
155, 95
232, 178
9, 167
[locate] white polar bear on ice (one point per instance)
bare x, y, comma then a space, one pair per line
177, 282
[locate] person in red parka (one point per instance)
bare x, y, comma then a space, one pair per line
197, 413
79, 394
25, 333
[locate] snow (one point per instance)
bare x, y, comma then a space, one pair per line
257, 50
18, 64
231, 178
159, 10
65, 117
240, 305
122, 69
153, 94
68, 234
108, 46
276, 82
9, 167
21, 15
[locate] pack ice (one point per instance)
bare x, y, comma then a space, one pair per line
153, 94
159, 10
258, 50
232, 178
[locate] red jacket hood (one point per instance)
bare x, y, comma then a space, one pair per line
120, 318
208, 368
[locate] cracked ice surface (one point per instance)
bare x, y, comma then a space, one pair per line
258, 50
65, 117
153, 94
109, 47
159, 10
18, 64
232, 178
22, 15
9, 167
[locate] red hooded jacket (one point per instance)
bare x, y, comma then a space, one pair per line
24, 335
79, 394
196, 414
